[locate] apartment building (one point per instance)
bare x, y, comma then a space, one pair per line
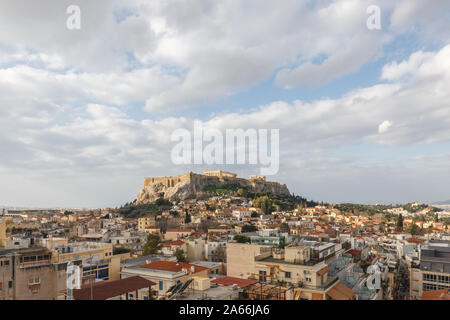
195, 249
146, 222
29, 274
98, 261
165, 273
174, 234
216, 251
169, 248
302, 266
241, 258
433, 271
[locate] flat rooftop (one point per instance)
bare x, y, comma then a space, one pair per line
273, 260
213, 293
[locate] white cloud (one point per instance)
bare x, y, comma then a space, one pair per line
213, 49
385, 126
395, 71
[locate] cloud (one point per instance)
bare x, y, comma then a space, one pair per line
422, 17
69, 101
202, 51
418, 107
395, 71
384, 127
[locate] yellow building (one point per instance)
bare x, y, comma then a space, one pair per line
146, 222
98, 259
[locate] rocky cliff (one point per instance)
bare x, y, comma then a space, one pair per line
188, 186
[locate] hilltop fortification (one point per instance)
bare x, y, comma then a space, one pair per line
191, 185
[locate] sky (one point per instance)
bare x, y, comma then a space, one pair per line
86, 114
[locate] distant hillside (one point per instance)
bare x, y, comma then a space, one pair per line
134, 210
442, 203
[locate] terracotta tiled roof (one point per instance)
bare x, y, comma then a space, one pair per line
353, 252
173, 243
414, 240
179, 230
229, 281
106, 290
173, 266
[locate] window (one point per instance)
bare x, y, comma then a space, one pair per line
103, 274
262, 275
161, 285
10, 283
429, 277
287, 275
308, 276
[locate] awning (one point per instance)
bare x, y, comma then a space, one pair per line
110, 289
340, 292
317, 296
323, 271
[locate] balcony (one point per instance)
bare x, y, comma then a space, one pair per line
321, 287
33, 264
301, 284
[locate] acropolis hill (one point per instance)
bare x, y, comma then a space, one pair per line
191, 185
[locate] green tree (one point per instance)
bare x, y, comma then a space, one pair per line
264, 203
180, 255
399, 225
120, 250
188, 218
436, 217
241, 239
160, 201
414, 229
153, 244
284, 227
241, 192
249, 228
